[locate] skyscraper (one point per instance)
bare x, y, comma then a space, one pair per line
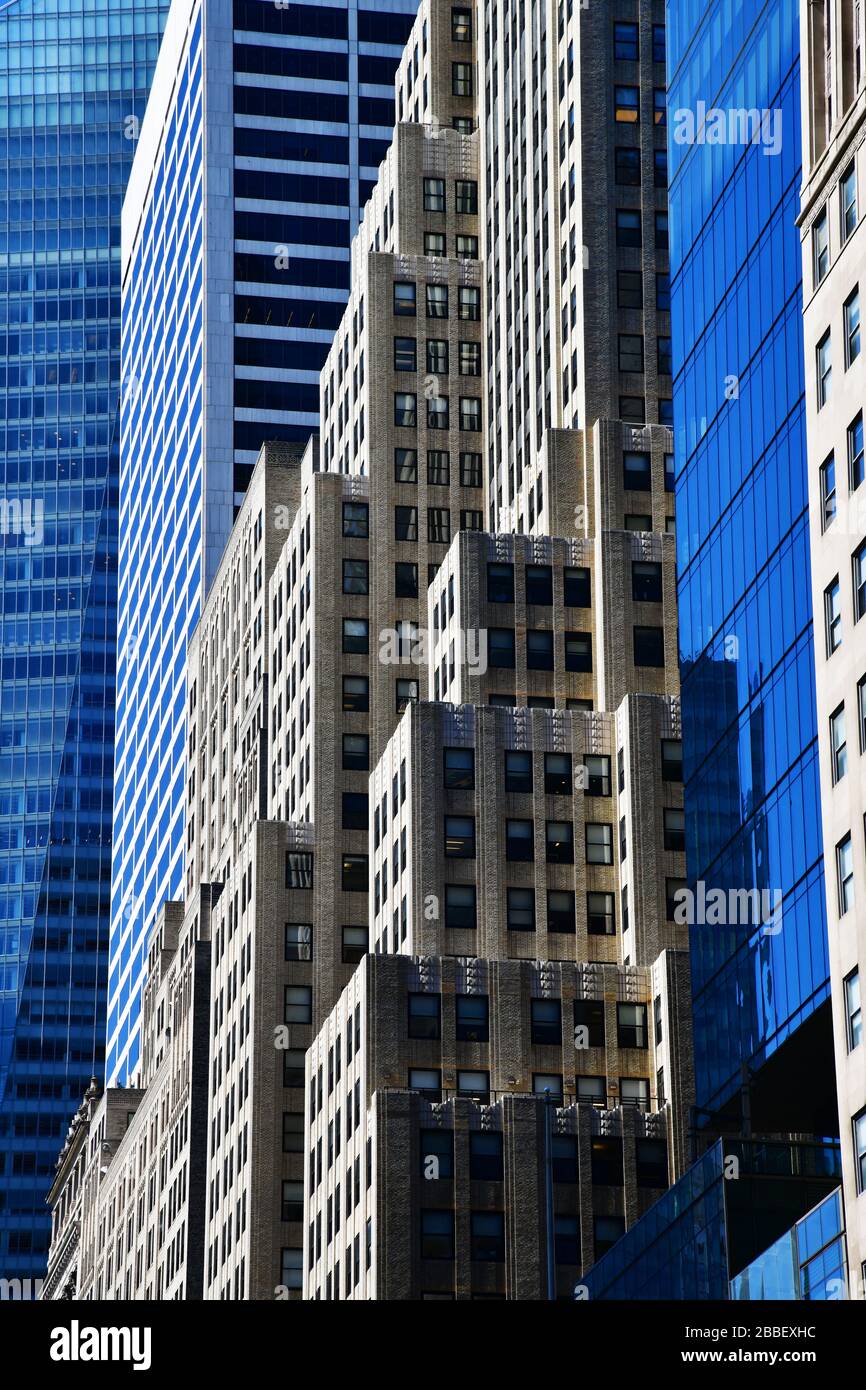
258, 151
73, 85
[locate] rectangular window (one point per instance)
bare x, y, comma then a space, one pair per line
424, 1016
298, 1004
578, 651
356, 694
626, 105
355, 577
293, 1132
577, 586
485, 1157
469, 303
405, 355
649, 646
631, 353
475, 1084
853, 1010
861, 710
405, 409
487, 1235
461, 79
825, 369
828, 491
470, 470
646, 581
858, 561
588, 1023
852, 328
437, 301
845, 875
469, 360
439, 525
627, 166
559, 839
405, 465
821, 247
356, 752
500, 583
539, 650
405, 523
405, 580
625, 43
833, 616
518, 772
629, 289
628, 228
467, 248
546, 1022
437, 1234
521, 909
855, 452
356, 636
355, 873
860, 1150
404, 298
519, 844
435, 244
461, 25
599, 843
838, 745
472, 1014
470, 413
460, 907
434, 195
600, 919
675, 829
459, 837
299, 941
848, 201
560, 911
354, 944
466, 193
631, 1025
558, 775
458, 768
438, 1144
637, 472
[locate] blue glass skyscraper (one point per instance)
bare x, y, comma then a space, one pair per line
73, 82
762, 1038
259, 149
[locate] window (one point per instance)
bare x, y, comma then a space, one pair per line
467, 248
597, 767
560, 911
855, 452
405, 409
439, 525
659, 47
434, 195
651, 1162
521, 909
852, 328
649, 646
470, 413
425, 1016
518, 772
631, 1025
298, 1004
469, 363
853, 1010
405, 465
435, 244
466, 193
670, 473
354, 878
564, 1158
519, 845
459, 837
437, 1144
629, 289
500, 648
299, 941
427, 1080
354, 944
625, 43
472, 1018
660, 168
461, 79
291, 1261
627, 166
293, 1068
637, 472
437, 301
299, 869
459, 768
607, 1231
838, 745
356, 752
591, 1089
355, 577
461, 26
660, 106
404, 298
487, 1235
356, 694
470, 470
675, 829
630, 352
821, 247
500, 583
437, 1235
672, 760
405, 355
665, 357
559, 838
547, 1083
577, 588
475, 1084
646, 582
626, 105
485, 1157
859, 568
405, 523
825, 369
600, 920
588, 1023
833, 616
558, 776
539, 585
460, 907
607, 1168
578, 651
469, 303
356, 519
293, 1132
663, 244
861, 709
848, 201
828, 492
356, 636
539, 650
405, 580
634, 1090
599, 843
845, 875
628, 228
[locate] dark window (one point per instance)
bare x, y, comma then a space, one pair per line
539, 650
405, 465
631, 1025
597, 774
651, 1162
589, 1019
405, 580
558, 775
298, 1004
356, 694
466, 194
424, 1016
298, 941
600, 918
293, 1133
472, 1018
459, 768
487, 1235
500, 648
500, 583
356, 578
675, 829
356, 752
564, 1156
625, 42
646, 582
437, 1144
405, 355
437, 1235
356, 519
405, 523
356, 636
577, 584
546, 1021
460, 906
627, 166
521, 909
354, 944
631, 352
629, 289
649, 646
299, 869
637, 472
560, 911
518, 772
607, 1231
355, 873
404, 297
459, 837
559, 835
519, 847
355, 810
578, 651
672, 760
607, 1161
485, 1157
628, 228
539, 584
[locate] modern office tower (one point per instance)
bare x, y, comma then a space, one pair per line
834, 269
72, 86
258, 150
446, 1146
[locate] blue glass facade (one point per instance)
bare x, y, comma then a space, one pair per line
711, 1236
71, 77
806, 1263
231, 296
749, 725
